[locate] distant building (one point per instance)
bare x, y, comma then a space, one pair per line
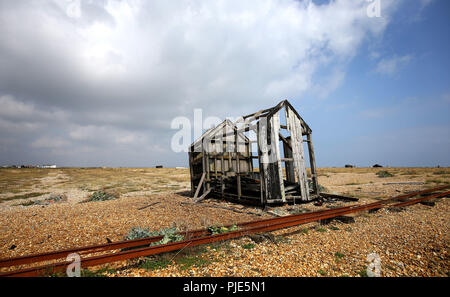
29, 166
47, 166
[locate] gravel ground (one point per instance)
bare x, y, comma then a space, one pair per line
413, 242
37, 229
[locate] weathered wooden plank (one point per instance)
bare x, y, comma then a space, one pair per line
295, 128
215, 165
260, 135
339, 197
287, 160
222, 179
150, 205
289, 166
191, 171
204, 164
249, 158
258, 114
270, 164
200, 185
312, 162
275, 146
203, 196
240, 131
238, 165
287, 149
305, 128
285, 141
208, 168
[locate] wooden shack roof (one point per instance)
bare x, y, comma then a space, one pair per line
218, 131
267, 113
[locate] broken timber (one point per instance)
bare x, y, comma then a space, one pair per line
203, 196
259, 159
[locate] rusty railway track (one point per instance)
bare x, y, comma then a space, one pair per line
190, 234
196, 237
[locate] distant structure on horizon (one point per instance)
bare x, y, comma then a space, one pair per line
47, 166
28, 166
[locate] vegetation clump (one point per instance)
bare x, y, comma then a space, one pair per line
322, 272
248, 246
363, 273
169, 235
138, 233
101, 196
384, 173
155, 264
218, 230
339, 255
188, 262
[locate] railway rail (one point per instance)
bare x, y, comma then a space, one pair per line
197, 237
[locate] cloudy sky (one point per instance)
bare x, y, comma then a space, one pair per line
98, 83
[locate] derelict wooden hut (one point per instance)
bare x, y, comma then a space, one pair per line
243, 160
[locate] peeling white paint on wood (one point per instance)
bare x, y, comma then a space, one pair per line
295, 127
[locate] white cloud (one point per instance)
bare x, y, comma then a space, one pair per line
11, 127
106, 134
85, 132
390, 66
13, 108
49, 143
118, 72
19, 117
180, 51
332, 82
